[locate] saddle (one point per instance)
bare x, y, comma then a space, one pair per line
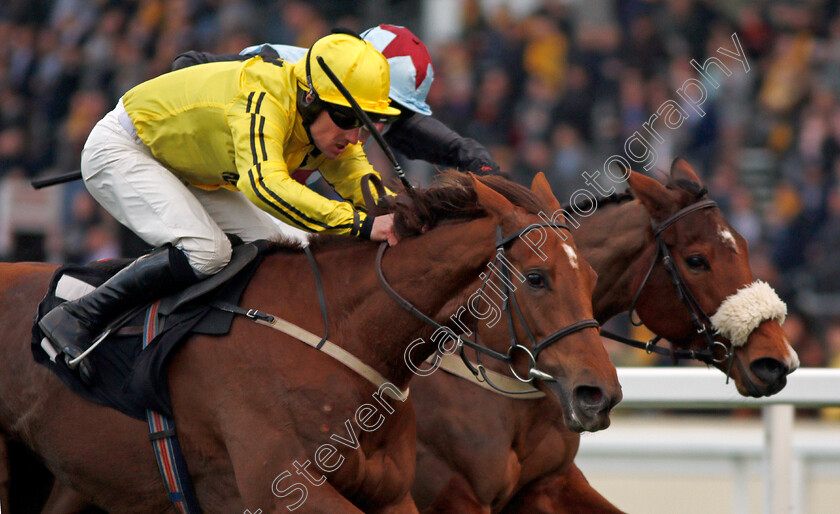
131, 372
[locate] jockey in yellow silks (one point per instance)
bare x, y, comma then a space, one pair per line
191, 155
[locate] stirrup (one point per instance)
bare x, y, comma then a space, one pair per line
83, 367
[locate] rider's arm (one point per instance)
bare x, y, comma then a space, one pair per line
191, 58
423, 137
259, 125
345, 174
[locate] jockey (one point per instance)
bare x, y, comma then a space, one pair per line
189, 156
415, 134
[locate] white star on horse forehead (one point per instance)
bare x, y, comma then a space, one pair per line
727, 238
570, 252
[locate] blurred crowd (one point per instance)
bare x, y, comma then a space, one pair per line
557, 89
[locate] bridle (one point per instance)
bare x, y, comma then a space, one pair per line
699, 319
510, 306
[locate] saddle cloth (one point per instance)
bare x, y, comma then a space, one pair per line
127, 376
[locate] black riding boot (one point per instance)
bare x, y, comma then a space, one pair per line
73, 325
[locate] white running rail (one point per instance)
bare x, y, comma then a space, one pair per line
701, 388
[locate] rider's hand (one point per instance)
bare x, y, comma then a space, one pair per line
383, 229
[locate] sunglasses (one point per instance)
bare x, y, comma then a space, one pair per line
346, 119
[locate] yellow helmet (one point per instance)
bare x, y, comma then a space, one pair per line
357, 64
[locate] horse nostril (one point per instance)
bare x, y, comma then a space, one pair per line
768, 369
591, 398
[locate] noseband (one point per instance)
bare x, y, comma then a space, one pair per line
699, 319
509, 305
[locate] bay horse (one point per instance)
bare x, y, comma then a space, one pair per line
521, 458
255, 407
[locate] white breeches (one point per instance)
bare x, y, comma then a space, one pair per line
123, 176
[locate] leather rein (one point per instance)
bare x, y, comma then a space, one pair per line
510, 307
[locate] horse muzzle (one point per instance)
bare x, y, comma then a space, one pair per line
586, 408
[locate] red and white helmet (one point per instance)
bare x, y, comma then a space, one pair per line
411, 65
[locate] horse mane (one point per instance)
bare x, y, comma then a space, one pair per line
695, 190
450, 198
585, 204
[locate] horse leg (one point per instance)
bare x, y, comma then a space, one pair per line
457, 498
569, 492
99, 452
254, 482
65, 500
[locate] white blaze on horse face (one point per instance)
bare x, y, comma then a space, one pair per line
572, 255
793, 357
727, 238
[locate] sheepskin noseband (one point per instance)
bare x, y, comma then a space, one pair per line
745, 310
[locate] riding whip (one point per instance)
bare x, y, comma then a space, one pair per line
70, 176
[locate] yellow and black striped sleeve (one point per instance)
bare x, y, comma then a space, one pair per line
345, 174
259, 128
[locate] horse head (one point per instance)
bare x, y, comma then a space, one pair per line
695, 244
547, 330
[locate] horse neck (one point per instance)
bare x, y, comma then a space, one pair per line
429, 271
613, 240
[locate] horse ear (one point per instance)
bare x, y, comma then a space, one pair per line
541, 188
681, 169
494, 203
652, 194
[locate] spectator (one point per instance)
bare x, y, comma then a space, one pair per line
556, 87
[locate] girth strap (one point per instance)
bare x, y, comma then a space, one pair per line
304, 336
170, 459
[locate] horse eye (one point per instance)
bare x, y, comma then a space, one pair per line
698, 262
536, 280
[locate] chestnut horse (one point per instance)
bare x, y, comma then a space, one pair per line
254, 408
522, 454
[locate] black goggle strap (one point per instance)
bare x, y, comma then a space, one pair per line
309, 75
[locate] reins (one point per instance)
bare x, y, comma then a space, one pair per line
510, 305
